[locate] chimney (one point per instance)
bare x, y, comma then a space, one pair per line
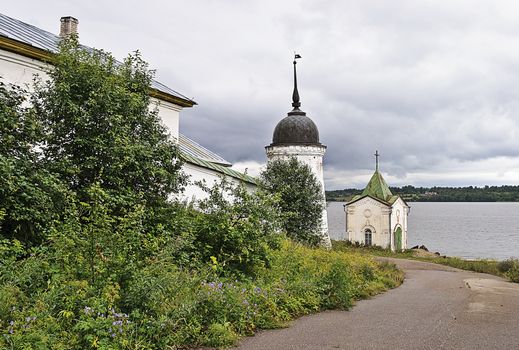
68, 27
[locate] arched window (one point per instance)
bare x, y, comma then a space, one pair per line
368, 237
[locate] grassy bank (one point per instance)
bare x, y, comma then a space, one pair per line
508, 268
165, 306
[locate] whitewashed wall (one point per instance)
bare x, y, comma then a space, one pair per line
399, 219
383, 220
20, 70
211, 177
368, 213
169, 113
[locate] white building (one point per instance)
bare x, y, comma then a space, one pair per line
26, 50
377, 217
297, 136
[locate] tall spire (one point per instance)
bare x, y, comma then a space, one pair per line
296, 103
376, 159
295, 95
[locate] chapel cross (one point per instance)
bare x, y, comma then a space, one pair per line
376, 158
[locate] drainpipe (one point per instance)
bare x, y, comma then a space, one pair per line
390, 233
345, 206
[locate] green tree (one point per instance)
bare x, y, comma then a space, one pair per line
99, 127
301, 199
31, 198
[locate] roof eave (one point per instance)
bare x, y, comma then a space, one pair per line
170, 98
24, 49
370, 196
30, 51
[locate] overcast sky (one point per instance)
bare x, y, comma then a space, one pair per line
433, 85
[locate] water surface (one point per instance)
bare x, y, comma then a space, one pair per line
467, 230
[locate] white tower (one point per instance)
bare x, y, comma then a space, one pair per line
297, 136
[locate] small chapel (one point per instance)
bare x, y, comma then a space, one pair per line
376, 216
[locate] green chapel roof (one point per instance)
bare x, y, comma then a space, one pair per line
378, 188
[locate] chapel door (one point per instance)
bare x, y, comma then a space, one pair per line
398, 239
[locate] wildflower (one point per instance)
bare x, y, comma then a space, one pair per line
11, 323
220, 285
11, 331
257, 290
113, 335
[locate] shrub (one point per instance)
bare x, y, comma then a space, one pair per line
510, 268
234, 228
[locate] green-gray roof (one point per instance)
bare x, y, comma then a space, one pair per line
218, 168
378, 189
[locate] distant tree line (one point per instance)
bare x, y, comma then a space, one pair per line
440, 194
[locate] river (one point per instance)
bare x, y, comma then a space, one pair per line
467, 230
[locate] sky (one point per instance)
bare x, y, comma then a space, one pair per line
432, 85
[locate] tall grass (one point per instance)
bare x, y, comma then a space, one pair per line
165, 306
507, 268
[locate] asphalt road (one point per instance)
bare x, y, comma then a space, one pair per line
437, 307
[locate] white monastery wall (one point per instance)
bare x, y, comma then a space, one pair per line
20, 70
169, 113
211, 177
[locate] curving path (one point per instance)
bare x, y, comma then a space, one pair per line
437, 307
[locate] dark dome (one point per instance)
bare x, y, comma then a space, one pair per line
295, 129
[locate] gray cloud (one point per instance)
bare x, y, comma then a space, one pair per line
432, 86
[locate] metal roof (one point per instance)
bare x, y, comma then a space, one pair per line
190, 147
377, 189
41, 39
218, 168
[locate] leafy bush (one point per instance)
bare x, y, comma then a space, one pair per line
510, 268
162, 305
235, 228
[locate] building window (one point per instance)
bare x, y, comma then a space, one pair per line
367, 237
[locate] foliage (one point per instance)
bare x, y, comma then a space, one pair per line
301, 199
235, 227
31, 198
166, 306
510, 268
99, 127
440, 194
